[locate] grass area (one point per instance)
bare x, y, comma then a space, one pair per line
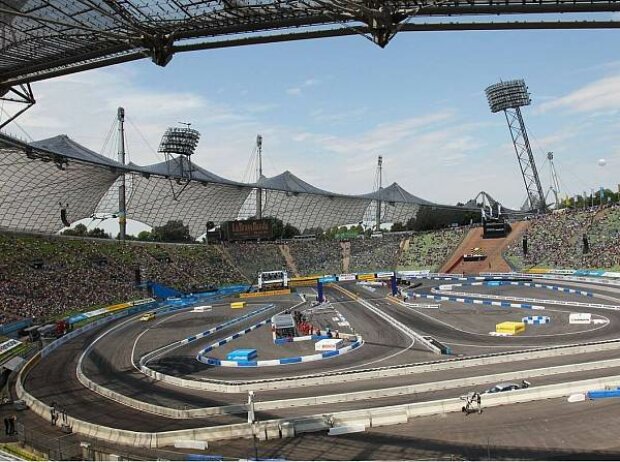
17, 450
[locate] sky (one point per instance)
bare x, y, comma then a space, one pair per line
327, 108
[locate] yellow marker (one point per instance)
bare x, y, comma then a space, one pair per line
510, 327
237, 305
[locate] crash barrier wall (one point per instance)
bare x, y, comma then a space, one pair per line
413, 335
365, 394
476, 301
529, 300
266, 293
222, 386
560, 276
271, 362
95, 324
146, 407
171, 346
290, 427
218, 386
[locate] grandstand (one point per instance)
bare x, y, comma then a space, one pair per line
556, 240
429, 250
375, 253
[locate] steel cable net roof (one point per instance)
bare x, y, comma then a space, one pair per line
45, 38
47, 181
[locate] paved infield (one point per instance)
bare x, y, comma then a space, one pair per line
110, 362
542, 430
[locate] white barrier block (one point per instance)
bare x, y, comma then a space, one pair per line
580, 318
576, 398
191, 444
334, 431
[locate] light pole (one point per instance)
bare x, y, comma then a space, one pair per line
252, 421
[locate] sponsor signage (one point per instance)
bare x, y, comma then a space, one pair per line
245, 230
366, 277
385, 274
326, 279
589, 273
580, 318
9, 345
414, 273
346, 277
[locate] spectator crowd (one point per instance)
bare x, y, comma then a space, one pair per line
556, 240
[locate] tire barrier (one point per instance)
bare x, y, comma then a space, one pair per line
535, 320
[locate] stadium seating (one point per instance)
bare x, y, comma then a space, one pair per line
556, 240
429, 250
375, 253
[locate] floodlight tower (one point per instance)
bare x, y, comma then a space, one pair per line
509, 97
182, 142
555, 182
259, 175
379, 185
122, 204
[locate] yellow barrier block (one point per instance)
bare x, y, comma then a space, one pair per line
538, 271
510, 327
237, 304
366, 277
120, 306
266, 293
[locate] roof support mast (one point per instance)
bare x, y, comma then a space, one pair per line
259, 175
122, 203
379, 188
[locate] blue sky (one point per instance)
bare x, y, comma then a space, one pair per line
326, 108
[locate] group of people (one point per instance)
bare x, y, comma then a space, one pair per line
44, 277
429, 250
556, 240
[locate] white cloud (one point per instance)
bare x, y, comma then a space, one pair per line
600, 95
295, 91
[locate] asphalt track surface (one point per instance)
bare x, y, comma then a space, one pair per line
110, 363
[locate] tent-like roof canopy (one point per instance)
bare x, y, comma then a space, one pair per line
395, 193
66, 147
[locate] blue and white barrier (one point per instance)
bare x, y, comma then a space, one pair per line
270, 362
303, 338
601, 394
193, 338
518, 283
534, 320
477, 301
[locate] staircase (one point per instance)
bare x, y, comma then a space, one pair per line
346, 255
492, 248
229, 259
290, 261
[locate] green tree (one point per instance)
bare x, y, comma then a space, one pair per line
78, 230
98, 233
173, 231
289, 231
144, 236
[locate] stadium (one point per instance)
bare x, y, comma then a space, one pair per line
274, 319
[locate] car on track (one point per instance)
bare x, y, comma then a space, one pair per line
507, 386
147, 316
